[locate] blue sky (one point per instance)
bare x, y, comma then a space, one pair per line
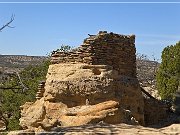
41, 28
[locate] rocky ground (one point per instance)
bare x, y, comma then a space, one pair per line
120, 129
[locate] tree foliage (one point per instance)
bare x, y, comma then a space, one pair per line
168, 75
12, 99
63, 48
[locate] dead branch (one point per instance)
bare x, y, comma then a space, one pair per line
8, 23
24, 88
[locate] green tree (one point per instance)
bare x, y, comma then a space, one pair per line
12, 99
8, 24
168, 74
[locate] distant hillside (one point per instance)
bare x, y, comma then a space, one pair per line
10, 63
146, 71
145, 68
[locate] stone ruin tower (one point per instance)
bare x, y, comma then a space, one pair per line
96, 82
104, 48
103, 68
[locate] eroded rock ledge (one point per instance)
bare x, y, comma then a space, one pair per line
105, 129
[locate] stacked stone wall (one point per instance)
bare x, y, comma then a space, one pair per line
104, 48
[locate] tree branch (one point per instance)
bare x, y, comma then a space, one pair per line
21, 83
6, 88
22, 86
8, 23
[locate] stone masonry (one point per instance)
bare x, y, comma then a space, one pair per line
41, 90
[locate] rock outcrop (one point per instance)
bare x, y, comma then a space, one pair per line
95, 83
49, 115
77, 84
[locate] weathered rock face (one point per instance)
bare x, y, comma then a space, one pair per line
77, 96
78, 82
34, 115
95, 83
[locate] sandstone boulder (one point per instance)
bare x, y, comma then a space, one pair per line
32, 114
47, 115
40, 113
79, 84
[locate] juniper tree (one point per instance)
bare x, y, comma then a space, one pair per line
168, 74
